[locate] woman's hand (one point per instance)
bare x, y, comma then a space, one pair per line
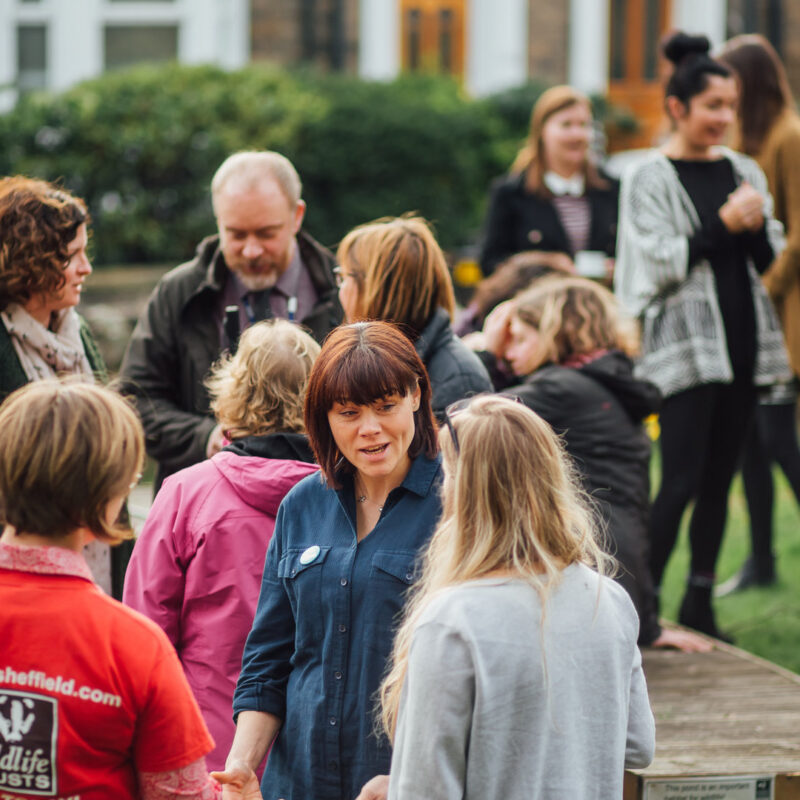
497, 328
239, 782
375, 789
685, 641
743, 210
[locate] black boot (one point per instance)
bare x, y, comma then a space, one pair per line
696, 611
751, 573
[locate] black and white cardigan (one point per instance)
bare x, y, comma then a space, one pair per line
683, 335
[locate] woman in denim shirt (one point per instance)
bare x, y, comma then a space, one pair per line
342, 557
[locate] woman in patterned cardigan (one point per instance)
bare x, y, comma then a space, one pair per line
696, 229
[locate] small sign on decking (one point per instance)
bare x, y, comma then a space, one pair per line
739, 787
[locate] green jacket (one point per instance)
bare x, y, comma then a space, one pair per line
12, 376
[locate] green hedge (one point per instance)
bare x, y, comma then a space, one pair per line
141, 146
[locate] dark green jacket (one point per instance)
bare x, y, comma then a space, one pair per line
177, 339
12, 376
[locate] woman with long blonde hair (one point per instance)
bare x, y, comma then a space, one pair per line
515, 673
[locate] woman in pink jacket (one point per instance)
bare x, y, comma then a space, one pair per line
196, 568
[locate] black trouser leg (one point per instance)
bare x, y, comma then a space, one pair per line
733, 410
684, 419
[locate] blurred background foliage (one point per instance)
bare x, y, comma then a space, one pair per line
141, 146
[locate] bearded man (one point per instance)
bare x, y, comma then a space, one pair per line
259, 265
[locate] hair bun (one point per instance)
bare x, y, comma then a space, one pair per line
680, 45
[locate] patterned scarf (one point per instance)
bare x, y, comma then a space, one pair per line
46, 353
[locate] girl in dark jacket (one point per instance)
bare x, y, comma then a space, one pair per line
566, 341
554, 199
394, 270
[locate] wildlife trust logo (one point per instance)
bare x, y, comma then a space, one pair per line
28, 730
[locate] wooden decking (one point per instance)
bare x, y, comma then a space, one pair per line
718, 715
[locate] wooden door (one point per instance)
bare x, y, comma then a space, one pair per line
635, 68
432, 34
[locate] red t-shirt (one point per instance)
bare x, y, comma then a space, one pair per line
91, 693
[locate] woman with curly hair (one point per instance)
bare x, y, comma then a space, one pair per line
43, 266
196, 569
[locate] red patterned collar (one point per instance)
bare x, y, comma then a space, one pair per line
44, 560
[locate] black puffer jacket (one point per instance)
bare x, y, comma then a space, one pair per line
454, 370
598, 409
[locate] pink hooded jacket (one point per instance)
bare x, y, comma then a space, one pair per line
196, 570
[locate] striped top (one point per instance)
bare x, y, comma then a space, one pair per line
576, 217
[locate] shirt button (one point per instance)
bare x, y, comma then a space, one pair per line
409, 575
333, 766
342, 628
343, 581
337, 675
332, 721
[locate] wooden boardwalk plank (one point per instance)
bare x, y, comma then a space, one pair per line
724, 713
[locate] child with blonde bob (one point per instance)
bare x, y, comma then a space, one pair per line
515, 673
196, 569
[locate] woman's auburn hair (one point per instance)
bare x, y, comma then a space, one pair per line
400, 270
37, 222
575, 316
362, 363
67, 449
531, 160
524, 515
764, 93
261, 389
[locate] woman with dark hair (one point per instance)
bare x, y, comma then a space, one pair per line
342, 557
43, 266
695, 231
554, 199
393, 269
768, 130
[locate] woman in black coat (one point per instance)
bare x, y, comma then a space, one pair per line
554, 199
565, 340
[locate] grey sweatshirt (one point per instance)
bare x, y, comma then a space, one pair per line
494, 709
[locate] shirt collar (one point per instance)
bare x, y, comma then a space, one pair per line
560, 186
44, 560
422, 474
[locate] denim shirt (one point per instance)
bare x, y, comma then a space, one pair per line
323, 631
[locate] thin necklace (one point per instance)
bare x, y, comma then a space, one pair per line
362, 498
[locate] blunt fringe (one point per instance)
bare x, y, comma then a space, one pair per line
67, 448
261, 389
401, 272
524, 516
362, 363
